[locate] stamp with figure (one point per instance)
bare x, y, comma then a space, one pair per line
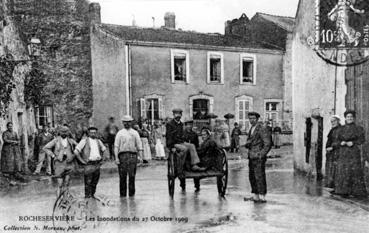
341, 31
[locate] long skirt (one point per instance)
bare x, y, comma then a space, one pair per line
330, 168
146, 149
350, 174
159, 149
11, 159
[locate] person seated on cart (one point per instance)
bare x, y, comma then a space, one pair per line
176, 142
207, 153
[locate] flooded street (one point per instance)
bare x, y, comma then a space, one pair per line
295, 204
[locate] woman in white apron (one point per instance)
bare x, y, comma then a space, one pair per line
145, 138
158, 139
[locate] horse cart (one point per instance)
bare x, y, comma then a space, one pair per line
215, 162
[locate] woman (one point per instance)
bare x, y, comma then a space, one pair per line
332, 148
158, 139
145, 138
205, 152
350, 175
11, 160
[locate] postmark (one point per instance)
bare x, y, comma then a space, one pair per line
76, 212
341, 31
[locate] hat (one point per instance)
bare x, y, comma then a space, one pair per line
336, 117
127, 118
177, 110
64, 129
92, 128
350, 112
257, 115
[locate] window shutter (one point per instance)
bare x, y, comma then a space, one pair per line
143, 108
161, 108
48, 115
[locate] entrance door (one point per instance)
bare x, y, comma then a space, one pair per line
200, 109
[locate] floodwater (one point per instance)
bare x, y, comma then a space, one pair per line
295, 204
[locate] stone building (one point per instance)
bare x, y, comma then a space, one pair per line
274, 31
62, 29
150, 71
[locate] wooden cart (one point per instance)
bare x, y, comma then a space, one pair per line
218, 170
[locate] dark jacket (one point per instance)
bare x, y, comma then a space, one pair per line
259, 143
191, 137
43, 139
174, 134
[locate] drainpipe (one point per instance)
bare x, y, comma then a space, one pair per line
126, 48
335, 86
130, 78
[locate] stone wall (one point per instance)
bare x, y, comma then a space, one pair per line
63, 29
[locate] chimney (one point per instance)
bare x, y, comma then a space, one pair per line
95, 13
170, 20
227, 28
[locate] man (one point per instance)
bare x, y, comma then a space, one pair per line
92, 151
61, 149
43, 138
259, 144
176, 141
235, 143
190, 136
111, 131
128, 148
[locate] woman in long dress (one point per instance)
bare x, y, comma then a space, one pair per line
158, 139
145, 138
350, 174
332, 148
11, 159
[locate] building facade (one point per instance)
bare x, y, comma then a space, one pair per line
147, 72
319, 92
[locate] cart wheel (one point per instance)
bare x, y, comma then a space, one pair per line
171, 175
223, 180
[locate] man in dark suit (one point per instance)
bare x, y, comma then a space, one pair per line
176, 140
259, 143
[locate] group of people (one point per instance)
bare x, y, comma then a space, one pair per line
344, 167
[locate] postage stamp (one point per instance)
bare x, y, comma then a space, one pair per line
341, 31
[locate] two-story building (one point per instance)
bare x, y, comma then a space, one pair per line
149, 71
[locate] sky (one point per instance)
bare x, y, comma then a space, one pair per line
196, 15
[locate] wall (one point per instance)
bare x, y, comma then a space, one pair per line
63, 28
151, 74
109, 77
287, 81
313, 87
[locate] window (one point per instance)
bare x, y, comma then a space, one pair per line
271, 110
200, 109
151, 108
180, 66
215, 68
244, 104
248, 69
44, 115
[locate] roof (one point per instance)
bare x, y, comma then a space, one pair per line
178, 36
284, 22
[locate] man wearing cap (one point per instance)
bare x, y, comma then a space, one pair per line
258, 144
176, 141
90, 151
61, 149
128, 148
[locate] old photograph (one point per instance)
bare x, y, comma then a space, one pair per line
184, 116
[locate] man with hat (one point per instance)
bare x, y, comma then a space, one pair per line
176, 140
90, 151
128, 148
61, 149
258, 144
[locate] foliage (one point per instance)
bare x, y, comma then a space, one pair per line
7, 82
34, 85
